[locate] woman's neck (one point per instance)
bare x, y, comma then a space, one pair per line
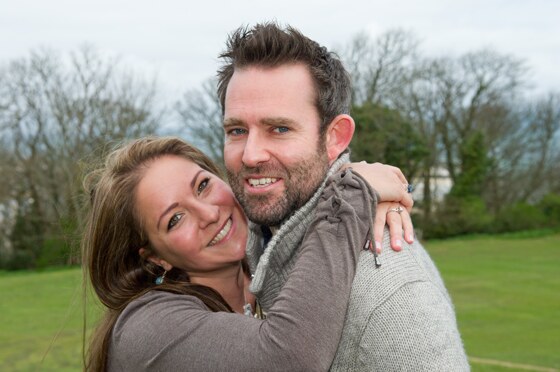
232, 284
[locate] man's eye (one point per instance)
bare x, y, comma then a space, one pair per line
174, 220
281, 129
236, 132
202, 185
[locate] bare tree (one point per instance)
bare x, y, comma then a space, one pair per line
7, 204
380, 67
450, 104
200, 119
529, 153
450, 99
421, 100
58, 110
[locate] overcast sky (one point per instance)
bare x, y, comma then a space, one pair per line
180, 39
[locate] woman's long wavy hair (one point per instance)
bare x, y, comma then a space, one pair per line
113, 236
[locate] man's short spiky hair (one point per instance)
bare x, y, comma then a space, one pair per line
269, 45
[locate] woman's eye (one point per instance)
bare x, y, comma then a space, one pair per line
202, 185
174, 220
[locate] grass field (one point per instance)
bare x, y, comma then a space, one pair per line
507, 297
506, 293
41, 322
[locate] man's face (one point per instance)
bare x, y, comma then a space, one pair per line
273, 155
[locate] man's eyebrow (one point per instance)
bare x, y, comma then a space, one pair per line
277, 121
269, 122
230, 122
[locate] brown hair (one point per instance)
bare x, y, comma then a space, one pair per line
269, 45
113, 236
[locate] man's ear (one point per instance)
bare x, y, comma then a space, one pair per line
338, 136
150, 256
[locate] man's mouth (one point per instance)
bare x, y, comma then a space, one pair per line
222, 234
261, 182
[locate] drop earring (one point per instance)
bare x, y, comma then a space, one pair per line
160, 279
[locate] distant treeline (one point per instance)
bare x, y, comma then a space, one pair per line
471, 121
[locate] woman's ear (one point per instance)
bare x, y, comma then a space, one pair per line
338, 136
147, 254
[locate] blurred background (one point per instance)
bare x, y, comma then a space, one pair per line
463, 96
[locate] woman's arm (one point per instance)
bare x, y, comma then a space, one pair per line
170, 332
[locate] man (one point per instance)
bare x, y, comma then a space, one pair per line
286, 117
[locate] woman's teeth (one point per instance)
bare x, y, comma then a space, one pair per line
222, 233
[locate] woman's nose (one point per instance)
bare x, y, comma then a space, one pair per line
207, 214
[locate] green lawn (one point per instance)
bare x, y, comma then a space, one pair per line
507, 297
41, 322
506, 293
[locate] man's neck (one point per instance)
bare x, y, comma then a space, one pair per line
272, 261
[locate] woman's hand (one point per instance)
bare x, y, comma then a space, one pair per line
394, 204
388, 181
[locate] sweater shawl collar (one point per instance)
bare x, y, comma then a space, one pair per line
272, 264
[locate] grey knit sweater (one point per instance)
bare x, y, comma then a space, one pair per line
400, 316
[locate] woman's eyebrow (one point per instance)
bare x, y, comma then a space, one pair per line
193, 182
174, 205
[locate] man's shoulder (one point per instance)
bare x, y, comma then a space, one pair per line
374, 285
411, 263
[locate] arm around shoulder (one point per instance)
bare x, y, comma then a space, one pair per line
164, 331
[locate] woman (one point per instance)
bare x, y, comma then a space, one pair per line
164, 247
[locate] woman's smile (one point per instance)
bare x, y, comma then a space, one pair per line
222, 233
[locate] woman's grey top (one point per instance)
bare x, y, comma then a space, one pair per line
163, 331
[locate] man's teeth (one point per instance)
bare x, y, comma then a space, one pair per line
257, 182
222, 233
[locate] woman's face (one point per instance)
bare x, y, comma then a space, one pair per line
191, 216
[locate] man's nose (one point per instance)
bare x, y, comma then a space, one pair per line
256, 150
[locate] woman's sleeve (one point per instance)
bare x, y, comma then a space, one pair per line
303, 327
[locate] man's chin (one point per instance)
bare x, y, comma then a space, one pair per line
263, 213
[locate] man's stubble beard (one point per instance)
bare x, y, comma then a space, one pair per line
300, 183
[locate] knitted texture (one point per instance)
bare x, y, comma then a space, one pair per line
400, 316
271, 266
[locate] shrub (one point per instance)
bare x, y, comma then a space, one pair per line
56, 251
550, 206
18, 260
458, 216
520, 216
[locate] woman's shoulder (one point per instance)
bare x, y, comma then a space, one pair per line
149, 322
160, 302
154, 311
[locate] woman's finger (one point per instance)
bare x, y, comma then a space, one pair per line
407, 227
379, 225
395, 223
407, 201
